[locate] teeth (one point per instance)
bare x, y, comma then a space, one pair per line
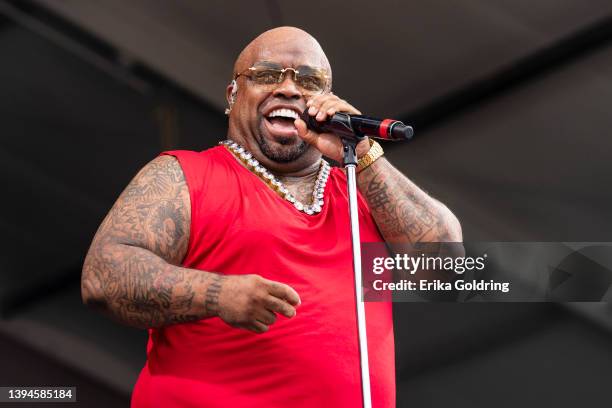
287, 113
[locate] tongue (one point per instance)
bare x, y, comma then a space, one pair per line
282, 123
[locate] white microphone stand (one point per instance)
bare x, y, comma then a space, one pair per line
350, 164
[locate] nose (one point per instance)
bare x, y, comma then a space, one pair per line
287, 88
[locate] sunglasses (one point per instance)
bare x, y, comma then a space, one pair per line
310, 80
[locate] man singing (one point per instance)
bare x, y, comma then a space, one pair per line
238, 258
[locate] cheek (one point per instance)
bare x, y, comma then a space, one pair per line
249, 107
252, 98
248, 118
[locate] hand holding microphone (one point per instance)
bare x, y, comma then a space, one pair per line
335, 115
328, 119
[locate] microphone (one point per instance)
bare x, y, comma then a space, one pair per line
359, 126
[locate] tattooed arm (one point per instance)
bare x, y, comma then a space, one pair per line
402, 211
132, 270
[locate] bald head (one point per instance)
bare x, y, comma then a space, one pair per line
291, 42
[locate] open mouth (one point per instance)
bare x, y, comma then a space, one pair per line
279, 122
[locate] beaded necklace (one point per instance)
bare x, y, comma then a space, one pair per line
253, 165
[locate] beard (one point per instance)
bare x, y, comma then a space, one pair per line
284, 153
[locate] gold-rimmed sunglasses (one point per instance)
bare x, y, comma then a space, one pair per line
310, 80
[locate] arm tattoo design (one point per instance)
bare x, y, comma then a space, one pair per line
211, 302
131, 270
402, 211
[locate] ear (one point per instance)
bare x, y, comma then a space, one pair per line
230, 92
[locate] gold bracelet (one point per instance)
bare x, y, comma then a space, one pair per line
375, 153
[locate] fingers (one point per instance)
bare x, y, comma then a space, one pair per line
266, 317
303, 133
301, 127
258, 327
285, 292
254, 302
331, 106
276, 305
322, 106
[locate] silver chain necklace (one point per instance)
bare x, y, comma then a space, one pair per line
252, 164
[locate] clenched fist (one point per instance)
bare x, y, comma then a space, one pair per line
252, 302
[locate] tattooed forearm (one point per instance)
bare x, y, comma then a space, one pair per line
212, 294
402, 211
131, 268
140, 289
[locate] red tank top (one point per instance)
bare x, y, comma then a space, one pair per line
241, 226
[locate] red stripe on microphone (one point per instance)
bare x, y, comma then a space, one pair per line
384, 126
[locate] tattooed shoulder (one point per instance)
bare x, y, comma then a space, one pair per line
154, 211
160, 177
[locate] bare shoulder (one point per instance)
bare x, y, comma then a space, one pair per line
154, 211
